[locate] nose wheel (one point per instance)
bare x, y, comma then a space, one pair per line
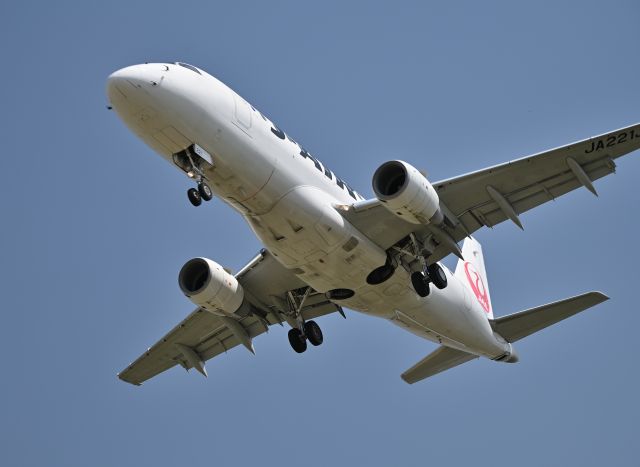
205, 191
197, 195
194, 196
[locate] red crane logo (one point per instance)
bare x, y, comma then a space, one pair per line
478, 287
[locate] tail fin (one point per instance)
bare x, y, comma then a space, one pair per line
472, 273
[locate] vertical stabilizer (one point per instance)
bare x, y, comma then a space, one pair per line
473, 274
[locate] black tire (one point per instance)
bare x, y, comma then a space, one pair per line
437, 275
420, 284
313, 333
297, 340
205, 191
194, 196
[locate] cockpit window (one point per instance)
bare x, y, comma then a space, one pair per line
190, 67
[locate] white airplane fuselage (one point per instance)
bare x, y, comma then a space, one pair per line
288, 199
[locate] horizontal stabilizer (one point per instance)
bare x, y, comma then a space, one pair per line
436, 362
518, 325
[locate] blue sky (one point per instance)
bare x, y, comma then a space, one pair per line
96, 228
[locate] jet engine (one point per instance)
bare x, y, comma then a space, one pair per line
407, 193
209, 286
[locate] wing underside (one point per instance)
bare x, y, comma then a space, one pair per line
205, 335
490, 196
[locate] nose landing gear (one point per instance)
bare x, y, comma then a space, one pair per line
191, 161
202, 193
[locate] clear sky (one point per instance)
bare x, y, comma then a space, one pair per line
96, 227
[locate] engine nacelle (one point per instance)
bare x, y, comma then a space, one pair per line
209, 286
407, 193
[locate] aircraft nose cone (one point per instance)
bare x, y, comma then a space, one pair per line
132, 80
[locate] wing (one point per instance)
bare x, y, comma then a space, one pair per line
202, 335
490, 196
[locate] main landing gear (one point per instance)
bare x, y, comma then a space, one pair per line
298, 338
433, 274
203, 192
304, 330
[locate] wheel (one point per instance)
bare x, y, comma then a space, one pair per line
313, 333
205, 191
437, 275
194, 196
420, 284
297, 340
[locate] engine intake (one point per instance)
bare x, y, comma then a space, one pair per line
405, 192
209, 286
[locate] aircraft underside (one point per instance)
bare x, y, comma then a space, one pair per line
327, 247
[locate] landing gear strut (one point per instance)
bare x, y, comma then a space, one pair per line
304, 330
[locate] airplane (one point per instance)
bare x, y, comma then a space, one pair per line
326, 247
